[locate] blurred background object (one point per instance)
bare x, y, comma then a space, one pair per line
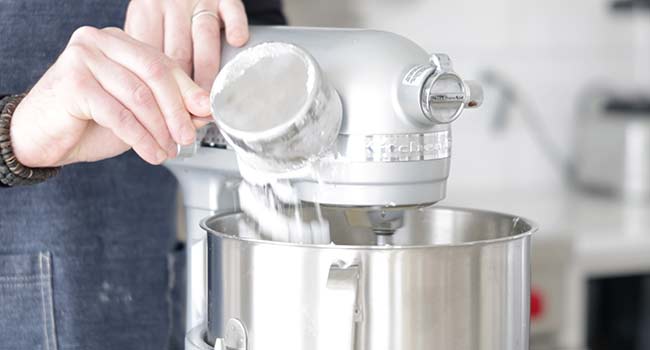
612, 146
563, 137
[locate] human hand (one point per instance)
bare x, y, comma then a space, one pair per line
188, 31
106, 93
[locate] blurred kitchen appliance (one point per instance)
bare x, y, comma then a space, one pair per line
461, 275
590, 274
612, 144
630, 5
611, 153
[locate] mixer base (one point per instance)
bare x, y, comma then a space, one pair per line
235, 338
195, 339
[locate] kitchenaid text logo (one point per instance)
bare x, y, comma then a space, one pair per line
447, 97
407, 147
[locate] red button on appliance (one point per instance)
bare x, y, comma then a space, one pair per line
536, 304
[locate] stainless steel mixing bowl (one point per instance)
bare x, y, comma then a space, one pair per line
446, 279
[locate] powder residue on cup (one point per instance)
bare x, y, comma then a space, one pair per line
266, 86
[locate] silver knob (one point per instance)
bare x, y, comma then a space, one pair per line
433, 93
443, 97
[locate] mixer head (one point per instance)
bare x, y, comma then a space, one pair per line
395, 102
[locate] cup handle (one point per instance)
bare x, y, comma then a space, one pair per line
341, 310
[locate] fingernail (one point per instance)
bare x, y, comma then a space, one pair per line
187, 134
161, 156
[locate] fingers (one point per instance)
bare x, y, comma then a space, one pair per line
194, 44
206, 37
109, 113
196, 100
135, 95
143, 24
174, 95
178, 37
235, 21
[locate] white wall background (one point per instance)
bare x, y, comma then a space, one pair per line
550, 49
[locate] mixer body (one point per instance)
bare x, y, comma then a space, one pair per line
399, 276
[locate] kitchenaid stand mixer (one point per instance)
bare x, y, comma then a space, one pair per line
390, 250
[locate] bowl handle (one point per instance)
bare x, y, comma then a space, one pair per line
341, 311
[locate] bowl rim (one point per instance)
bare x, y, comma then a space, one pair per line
532, 228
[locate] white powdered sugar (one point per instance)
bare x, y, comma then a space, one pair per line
257, 96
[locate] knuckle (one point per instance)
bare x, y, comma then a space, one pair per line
125, 119
182, 55
78, 81
75, 53
84, 33
143, 96
156, 68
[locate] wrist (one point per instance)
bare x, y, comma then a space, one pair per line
18, 139
12, 171
30, 135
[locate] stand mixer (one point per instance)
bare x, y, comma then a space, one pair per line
399, 274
